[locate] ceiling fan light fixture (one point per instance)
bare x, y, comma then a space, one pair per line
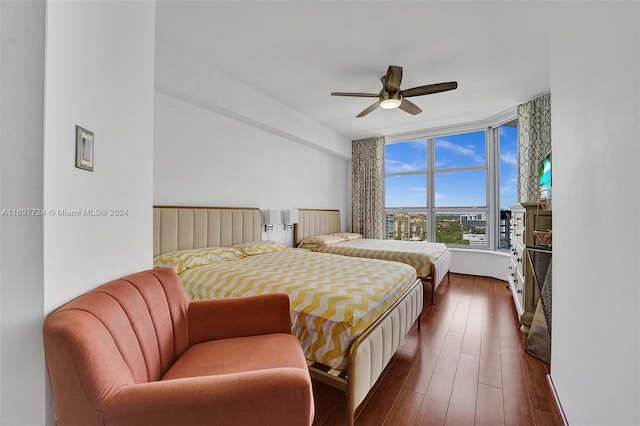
392, 101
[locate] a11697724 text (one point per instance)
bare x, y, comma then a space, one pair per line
99, 212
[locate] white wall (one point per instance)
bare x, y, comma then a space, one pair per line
485, 263
99, 75
22, 371
595, 87
250, 151
68, 63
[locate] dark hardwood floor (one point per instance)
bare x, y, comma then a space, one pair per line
466, 366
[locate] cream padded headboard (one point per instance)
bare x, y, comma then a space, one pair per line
316, 222
178, 227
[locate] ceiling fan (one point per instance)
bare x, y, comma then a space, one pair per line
392, 97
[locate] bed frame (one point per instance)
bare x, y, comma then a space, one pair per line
319, 222
185, 227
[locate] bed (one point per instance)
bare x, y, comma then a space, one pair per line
319, 230
347, 345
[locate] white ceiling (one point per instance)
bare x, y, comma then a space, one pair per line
299, 52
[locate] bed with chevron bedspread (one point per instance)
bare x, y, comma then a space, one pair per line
350, 314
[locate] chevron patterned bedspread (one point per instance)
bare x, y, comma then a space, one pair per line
419, 254
333, 298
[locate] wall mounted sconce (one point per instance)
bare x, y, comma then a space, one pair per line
270, 218
289, 217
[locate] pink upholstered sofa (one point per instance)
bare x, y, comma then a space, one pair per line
135, 351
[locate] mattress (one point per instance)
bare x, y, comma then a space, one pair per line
419, 254
333, 298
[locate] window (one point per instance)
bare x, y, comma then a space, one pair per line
460, 189
508, 153
508, 134
452, 188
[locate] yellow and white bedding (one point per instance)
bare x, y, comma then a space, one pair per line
419, 254
333, 298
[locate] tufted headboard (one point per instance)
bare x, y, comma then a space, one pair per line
316, 222
185, 227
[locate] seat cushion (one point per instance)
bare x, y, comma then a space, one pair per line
238, 354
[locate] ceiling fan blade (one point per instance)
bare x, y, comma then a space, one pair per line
410, 107
392, 79
359, 95
429, 89
368, 110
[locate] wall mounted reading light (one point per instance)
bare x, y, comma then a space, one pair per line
270, 218
289, 217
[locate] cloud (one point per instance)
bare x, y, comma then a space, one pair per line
409, 196
509, 157
419, 145
468, 151
439, 196
507, 189
395, 166
413, 154
420, 189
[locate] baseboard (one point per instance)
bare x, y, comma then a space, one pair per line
555, 397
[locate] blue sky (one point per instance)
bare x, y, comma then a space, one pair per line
508, 166
453, 189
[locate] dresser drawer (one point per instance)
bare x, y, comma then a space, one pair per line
518, 225
516, 285
517, 255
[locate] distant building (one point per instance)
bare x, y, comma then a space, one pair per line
406, 226
475, 239
474, 220
389, 226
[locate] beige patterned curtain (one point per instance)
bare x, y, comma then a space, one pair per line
367, 188
534, 142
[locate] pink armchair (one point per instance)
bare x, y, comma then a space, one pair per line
135, 351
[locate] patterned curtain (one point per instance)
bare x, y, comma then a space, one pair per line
367, 189
534, 142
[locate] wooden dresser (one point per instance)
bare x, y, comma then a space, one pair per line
525, 218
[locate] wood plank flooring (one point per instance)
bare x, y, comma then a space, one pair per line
466, 366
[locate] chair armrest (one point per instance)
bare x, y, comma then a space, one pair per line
278, 396
238, 317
